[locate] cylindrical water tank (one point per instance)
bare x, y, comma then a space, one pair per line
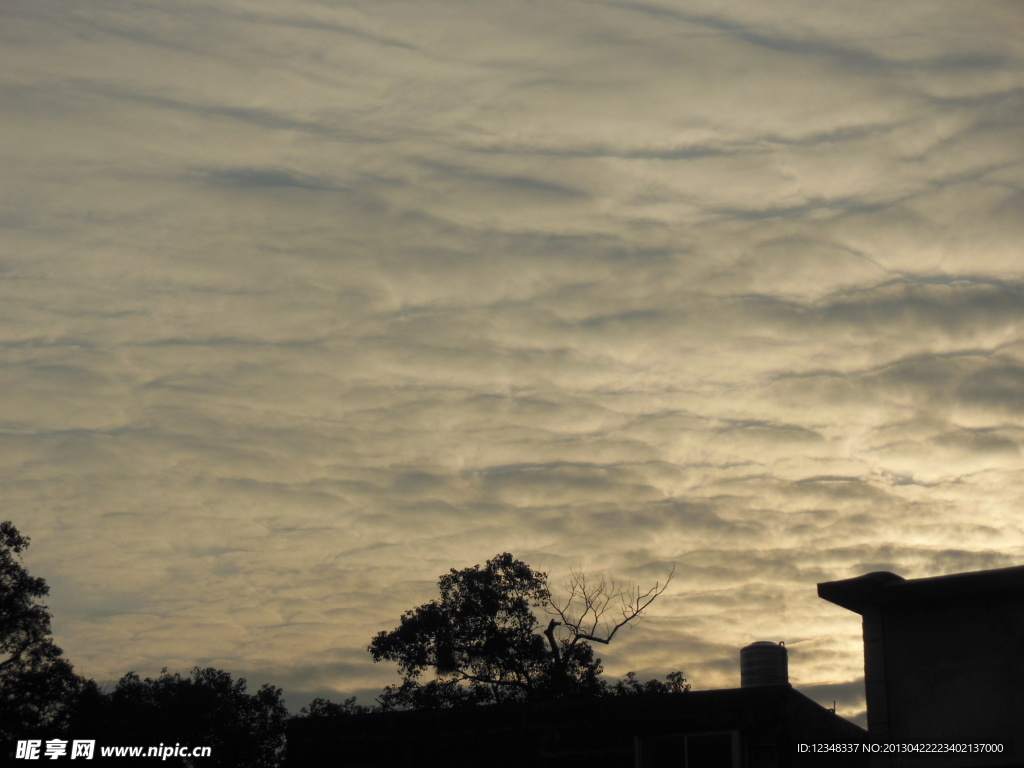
763, 663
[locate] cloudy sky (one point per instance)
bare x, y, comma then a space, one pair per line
303, 304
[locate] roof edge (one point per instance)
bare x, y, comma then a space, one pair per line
882, 587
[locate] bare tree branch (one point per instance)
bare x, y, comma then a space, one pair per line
585, 610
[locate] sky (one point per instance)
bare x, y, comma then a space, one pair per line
304, 304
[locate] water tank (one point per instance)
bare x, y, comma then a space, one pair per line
764, 663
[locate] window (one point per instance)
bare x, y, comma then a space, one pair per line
718, 749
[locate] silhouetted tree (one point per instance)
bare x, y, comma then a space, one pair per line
41, 697
481, 639
630, 686
207, 708
38, 687
320, 707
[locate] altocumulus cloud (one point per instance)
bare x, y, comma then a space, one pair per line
304, 306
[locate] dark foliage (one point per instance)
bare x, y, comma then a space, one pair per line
38, 687
321, 707
207, 708
482, 641
630, 686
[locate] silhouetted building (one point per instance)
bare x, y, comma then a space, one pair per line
760, 725
943, 662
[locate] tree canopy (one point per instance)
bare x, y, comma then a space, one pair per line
38, 687
42, 697
206, 708
481, 638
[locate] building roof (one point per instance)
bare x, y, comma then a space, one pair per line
883, 588
600, 731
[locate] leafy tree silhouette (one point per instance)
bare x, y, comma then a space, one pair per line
630, 686
482, 642
205, 709
42, 698
38, 687
322, 708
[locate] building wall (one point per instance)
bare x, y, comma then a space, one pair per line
763, 725
948, 670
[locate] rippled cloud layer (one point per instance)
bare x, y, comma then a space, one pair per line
303, 306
